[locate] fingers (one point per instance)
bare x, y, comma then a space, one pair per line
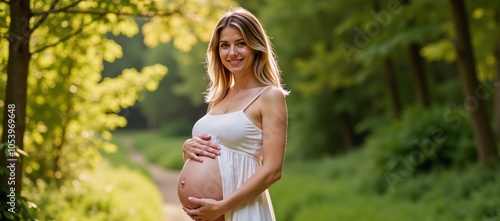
193, 213
205, 140
205, 145
195, 157
204, 136
200, 145
204, 150
196, 201
205, 209
189, 150
208, 146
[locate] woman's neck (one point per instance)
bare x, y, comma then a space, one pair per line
245, 82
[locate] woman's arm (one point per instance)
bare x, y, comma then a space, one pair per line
274, 126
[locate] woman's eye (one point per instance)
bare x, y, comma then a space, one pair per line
241, 44
224, 45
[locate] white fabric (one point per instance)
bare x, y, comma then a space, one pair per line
241, 155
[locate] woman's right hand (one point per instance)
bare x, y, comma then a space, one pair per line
200, 145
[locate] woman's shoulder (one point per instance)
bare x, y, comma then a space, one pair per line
273, 95
273, 104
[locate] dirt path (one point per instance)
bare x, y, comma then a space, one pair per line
166, 180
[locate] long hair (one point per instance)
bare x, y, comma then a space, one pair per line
265, 64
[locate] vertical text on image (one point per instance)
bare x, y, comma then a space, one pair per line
12, 156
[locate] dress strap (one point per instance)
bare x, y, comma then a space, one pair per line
255, 98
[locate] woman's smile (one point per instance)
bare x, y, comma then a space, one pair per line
235, 62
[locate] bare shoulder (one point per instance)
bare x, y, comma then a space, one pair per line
273, 95
273, 101
274, 111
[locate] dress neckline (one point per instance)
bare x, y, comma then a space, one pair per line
232, 112
235, 112
244, 108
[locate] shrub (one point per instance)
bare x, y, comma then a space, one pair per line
105, 194
422, 140
329, 189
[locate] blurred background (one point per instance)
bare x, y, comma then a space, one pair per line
394, 111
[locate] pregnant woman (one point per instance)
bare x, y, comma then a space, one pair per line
237, 149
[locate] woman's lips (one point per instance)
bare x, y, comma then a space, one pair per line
235, 62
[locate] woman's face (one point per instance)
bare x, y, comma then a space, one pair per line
235, 54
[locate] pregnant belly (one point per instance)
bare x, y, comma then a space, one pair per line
201, 180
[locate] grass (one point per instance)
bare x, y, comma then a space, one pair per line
160, 150
349, 187
106, 193
120, 157
116, 189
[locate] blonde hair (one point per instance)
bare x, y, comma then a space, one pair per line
265, 64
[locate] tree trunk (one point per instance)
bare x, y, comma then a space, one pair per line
418, 72
483, 134
393, 88
419, 77
346, 131
496, 86
14, 114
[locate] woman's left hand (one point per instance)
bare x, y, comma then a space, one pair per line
209, 209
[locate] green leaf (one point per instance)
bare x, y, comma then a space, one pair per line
8, 215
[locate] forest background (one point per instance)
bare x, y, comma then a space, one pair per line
394, 112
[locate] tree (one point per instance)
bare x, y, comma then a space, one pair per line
418, 70
59, 108
496, 108
485, 141
327, 85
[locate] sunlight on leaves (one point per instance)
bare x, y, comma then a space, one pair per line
439, 50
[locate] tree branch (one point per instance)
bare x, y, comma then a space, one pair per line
66, 9
143, 15
52, 10
65, 38
44, 17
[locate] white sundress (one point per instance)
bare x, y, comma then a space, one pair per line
240, 157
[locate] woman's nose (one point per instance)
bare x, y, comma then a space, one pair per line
233, 51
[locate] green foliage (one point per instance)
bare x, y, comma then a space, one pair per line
424, 139
120, 158
23, 209
342, 188
105, 193
161, 150
485, 32
306, 142
71, 108
483, 20
181, 127
332, 46
193, 74
183, 87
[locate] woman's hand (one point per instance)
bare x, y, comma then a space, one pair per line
208, 210
200, 145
